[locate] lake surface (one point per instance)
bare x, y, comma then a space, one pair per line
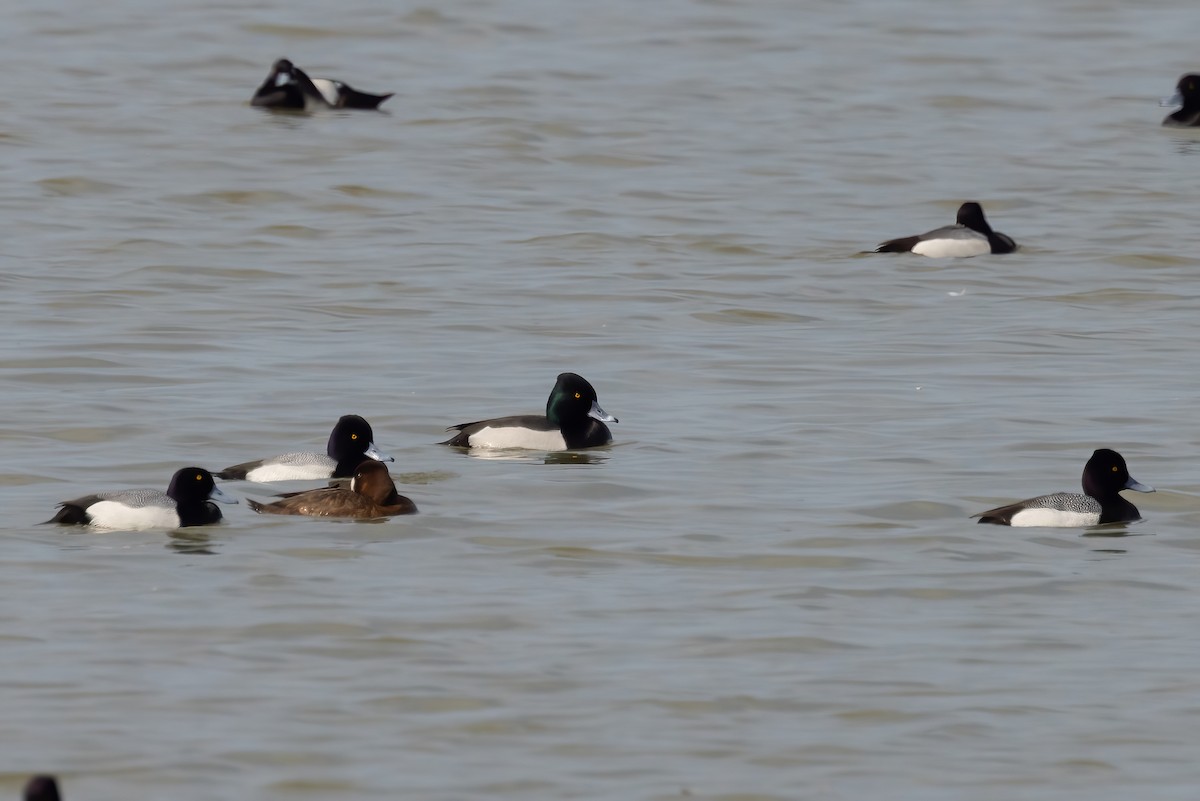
769, 587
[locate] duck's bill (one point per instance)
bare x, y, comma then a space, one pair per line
374, 453
599, 414
1137, 486
1174, 100
220, 496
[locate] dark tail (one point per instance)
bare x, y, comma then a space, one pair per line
69, 515
352, 98
903, 245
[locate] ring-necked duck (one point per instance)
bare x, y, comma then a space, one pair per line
1104, 476
573, 420
41, 788
350, 441
289, 87
372, 493
969, 236
185, 503
1187, 95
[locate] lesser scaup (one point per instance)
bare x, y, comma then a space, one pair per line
41, 788
372, 493
289, 87
969, 236
573, 420
1187, 95
185, 503
1104, 476
350, 441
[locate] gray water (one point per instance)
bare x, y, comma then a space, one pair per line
769, 586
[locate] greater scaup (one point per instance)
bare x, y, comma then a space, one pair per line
573, 420
185, 503
350, 441
372, 493
1104, 476
1187, 95
289, 87
969, 236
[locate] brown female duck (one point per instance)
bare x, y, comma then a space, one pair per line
372, 493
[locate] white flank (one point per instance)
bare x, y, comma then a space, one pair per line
289, 472
116, 515
952, 248
282, 79
328, 90
1054, 518
518, 438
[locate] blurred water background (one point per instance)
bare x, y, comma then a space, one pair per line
768, 587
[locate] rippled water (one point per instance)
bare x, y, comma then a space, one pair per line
768, 587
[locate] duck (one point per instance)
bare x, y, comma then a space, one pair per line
1187, 95
969, 236
187, 502
573, 420
289, 87
41, 788
349, 442
1104, 476
371, 494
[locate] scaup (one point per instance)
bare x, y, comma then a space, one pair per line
1104, 476
969, 236
187, 502
41, 788
1187, 95
372, 493
350, 441
289, 87
573, 420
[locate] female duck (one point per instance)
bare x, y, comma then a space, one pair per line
187, 502
1187, 95
372, 493
573, 420
969, 236
350, 442
289, 87
1104, 476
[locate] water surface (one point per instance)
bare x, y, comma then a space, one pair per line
768, 587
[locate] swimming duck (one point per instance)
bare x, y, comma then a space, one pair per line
350, 441
969, 236
1104, 476
185, 503
289, 87
573, 420
371, 494
1187, 95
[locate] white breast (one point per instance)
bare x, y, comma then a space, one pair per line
1054, 518
114, 515
952, 248
289, 472
328, 90
518, 438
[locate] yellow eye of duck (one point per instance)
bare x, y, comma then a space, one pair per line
577, 396
1114, 468
354, 436
199, 477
